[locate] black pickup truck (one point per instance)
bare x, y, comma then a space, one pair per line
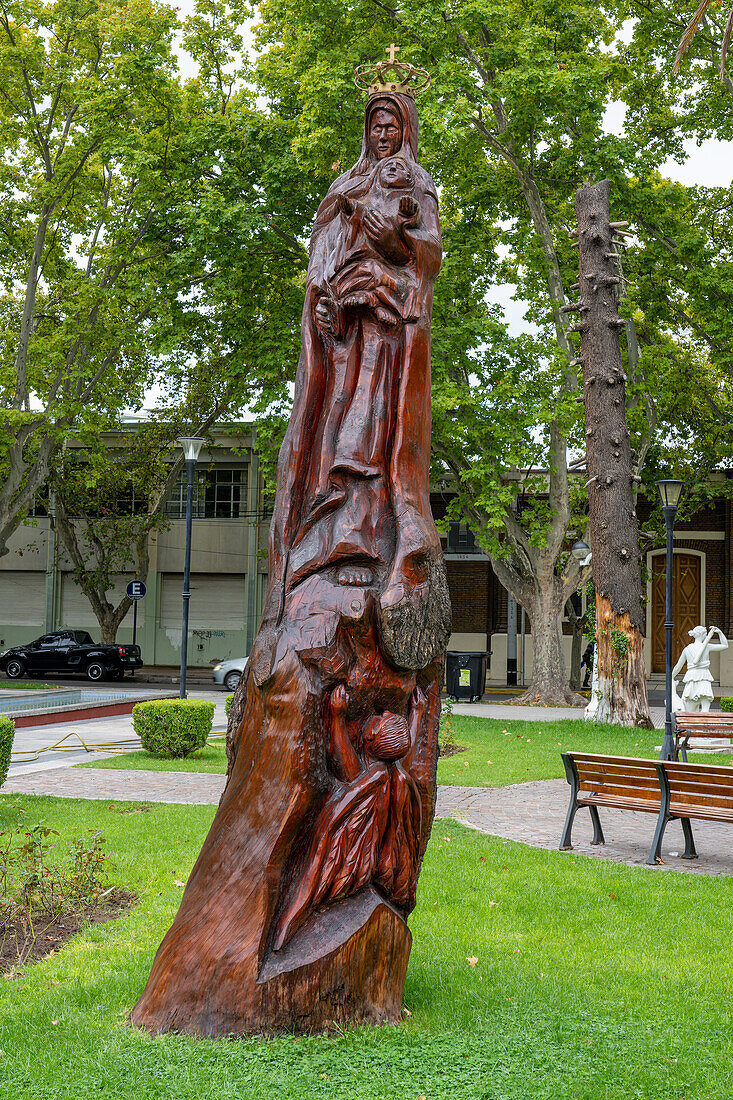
68, 652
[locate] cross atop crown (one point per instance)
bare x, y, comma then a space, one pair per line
392, 76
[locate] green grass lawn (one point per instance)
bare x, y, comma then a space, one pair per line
211, 758
589, 980
497, 752
23, 685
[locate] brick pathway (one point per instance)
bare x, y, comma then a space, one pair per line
114, 784
531, 813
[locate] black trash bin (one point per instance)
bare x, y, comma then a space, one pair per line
465, 675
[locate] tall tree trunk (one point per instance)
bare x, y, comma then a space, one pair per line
543, 594
549, 685
614, 530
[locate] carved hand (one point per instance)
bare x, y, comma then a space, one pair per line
383, 232
339, 700
409, 209
323, 317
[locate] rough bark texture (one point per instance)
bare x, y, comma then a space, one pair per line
614, 530
549, 684
294, 917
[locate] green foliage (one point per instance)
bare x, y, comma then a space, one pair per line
446, 725
34, 890
726, 702
228, 703
620, 643
7, 732
147, 236
173, 727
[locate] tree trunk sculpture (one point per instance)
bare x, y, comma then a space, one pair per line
294, 917
614, 529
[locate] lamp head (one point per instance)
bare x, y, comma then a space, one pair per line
670, 492
580, 550
191, 445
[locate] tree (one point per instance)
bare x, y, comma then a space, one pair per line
511, 126
85, 102
109, 500
692, 29
144, 234
613, 524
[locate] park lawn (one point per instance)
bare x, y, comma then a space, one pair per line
211, 758
533, 974
497, 752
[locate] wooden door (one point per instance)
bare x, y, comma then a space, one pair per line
687, 576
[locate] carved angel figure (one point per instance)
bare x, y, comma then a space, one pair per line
697, 694
369, 828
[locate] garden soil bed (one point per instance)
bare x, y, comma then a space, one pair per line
451, 750
52, 933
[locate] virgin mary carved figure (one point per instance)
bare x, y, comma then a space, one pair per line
353, 471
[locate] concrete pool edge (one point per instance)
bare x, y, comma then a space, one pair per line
82, 711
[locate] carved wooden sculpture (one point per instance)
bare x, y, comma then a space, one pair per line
293, 918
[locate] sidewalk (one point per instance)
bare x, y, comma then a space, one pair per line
91, 731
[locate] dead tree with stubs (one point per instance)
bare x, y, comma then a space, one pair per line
613, 525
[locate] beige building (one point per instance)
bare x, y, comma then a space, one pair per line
228, 567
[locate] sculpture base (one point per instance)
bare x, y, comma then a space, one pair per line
345, 967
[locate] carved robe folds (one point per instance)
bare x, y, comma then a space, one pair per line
294, 917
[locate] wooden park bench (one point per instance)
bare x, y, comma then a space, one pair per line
619, 782
716, 723
703, 791
670, 789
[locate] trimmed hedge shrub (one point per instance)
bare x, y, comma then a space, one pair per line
7, 732
726, 702
173, 727
228, 703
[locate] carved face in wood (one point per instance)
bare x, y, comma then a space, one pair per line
395, 173
385, 134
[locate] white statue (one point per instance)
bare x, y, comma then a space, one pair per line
697, 694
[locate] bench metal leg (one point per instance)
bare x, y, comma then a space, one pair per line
598, 837
690, 851
655, 856
572, 776
566, 841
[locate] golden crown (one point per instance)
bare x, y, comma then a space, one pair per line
392, 76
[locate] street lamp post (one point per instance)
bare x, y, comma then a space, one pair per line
669, 494
191, 445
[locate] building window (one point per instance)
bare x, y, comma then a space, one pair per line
461, 540
219, 493
225, 494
